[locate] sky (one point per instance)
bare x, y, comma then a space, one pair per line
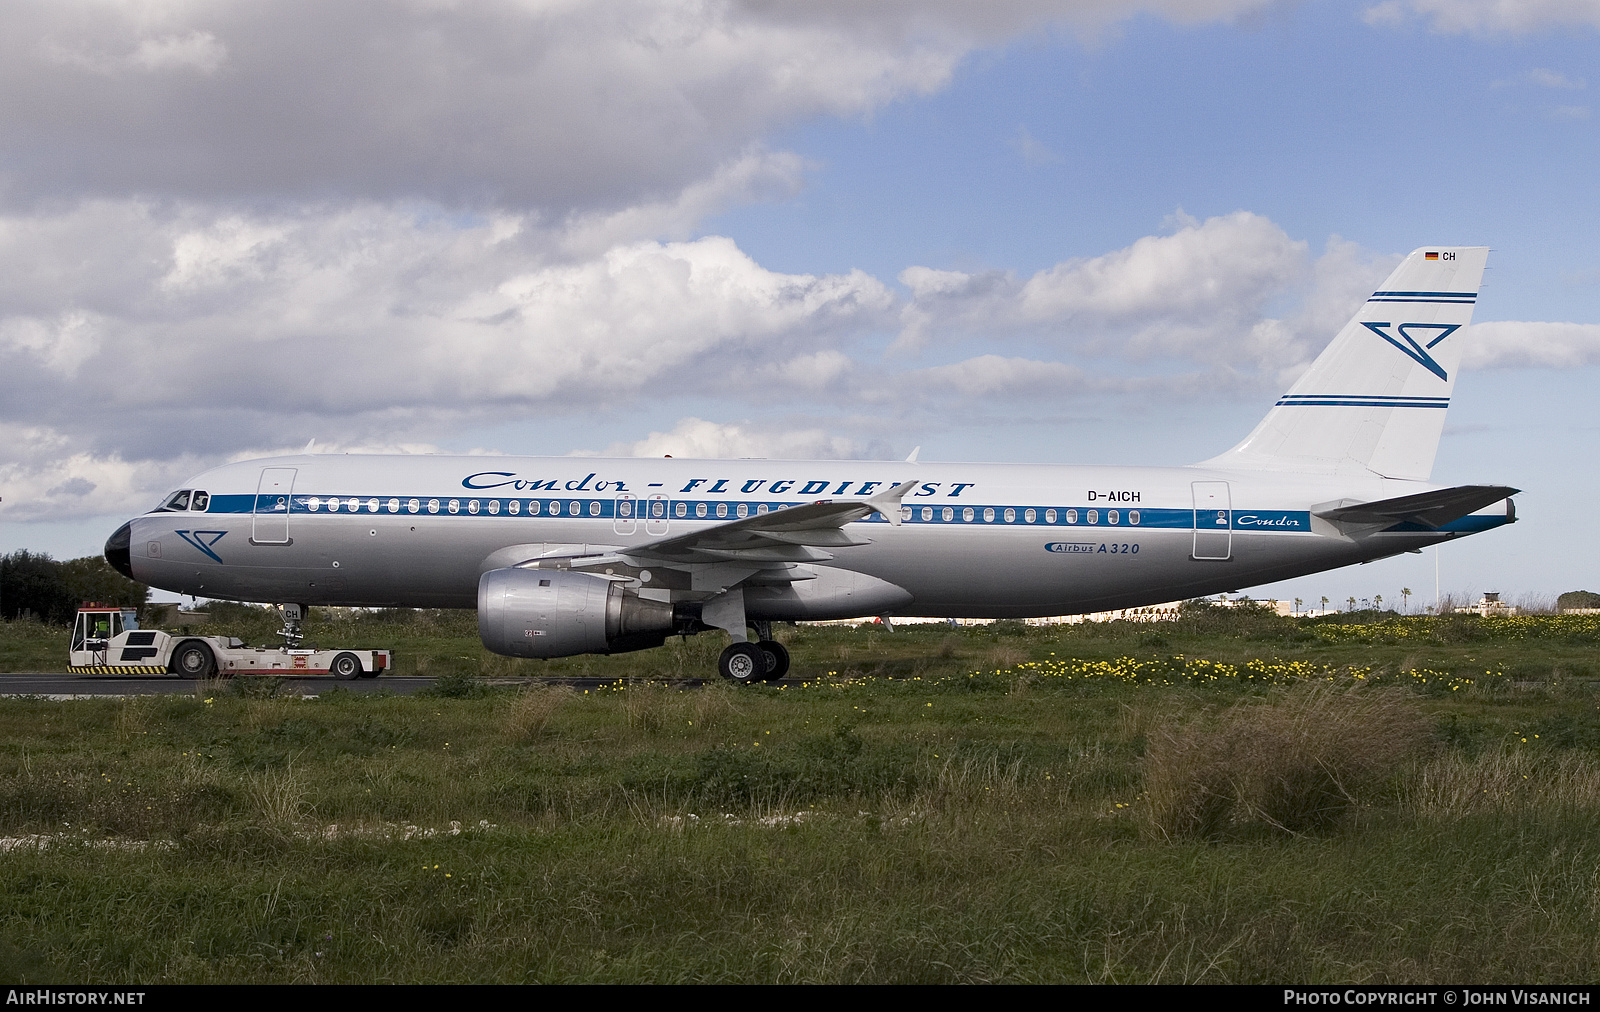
1102, 231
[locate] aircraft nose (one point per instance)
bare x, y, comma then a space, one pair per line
117, 552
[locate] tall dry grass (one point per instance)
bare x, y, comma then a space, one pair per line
1296, 763
529, 712
279, 797
650, 707
1452, 785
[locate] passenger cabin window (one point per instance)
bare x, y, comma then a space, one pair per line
199, 502
176, 503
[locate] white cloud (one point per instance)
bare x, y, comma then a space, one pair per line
1504, 344
1032, 151
46, 479
1000, 376
191, 51
1198, 293
137, 331
590, 108
1554, 79
1488, 17
696, 437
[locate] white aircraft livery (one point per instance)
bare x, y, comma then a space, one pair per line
573, 555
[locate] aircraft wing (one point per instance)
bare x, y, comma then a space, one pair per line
1429, 509
795, 534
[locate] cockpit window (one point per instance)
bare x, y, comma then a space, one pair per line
175, 503
200, 501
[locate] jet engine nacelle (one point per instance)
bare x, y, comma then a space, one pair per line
559, 613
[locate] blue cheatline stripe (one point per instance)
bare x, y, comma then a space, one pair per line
1427, 295
1122, 516
1437, 302
1098, 517
1370, 397
1342, 400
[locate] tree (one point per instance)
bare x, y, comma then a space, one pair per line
1405, 599
33, 582
1377, 601
92, 579
1324, 604
1352, 603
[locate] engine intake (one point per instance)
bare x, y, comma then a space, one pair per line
559, 613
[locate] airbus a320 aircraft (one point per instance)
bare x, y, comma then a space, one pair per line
573, 555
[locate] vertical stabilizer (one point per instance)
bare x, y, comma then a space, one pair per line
1375, 399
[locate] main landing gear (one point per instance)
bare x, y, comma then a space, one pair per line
763, 661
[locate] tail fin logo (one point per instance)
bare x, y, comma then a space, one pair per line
1414, 350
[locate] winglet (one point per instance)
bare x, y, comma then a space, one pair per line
912, 459
888, 502
310, 443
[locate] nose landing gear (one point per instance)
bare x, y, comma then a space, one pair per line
293, 616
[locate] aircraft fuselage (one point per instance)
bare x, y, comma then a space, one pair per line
979, 540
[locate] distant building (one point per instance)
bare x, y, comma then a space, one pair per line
1490, 606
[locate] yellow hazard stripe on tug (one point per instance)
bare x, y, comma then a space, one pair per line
116, 669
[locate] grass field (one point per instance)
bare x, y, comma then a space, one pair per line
1231, 797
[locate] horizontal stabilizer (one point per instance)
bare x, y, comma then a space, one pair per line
1430, 509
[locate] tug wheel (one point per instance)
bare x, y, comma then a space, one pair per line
194, 660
